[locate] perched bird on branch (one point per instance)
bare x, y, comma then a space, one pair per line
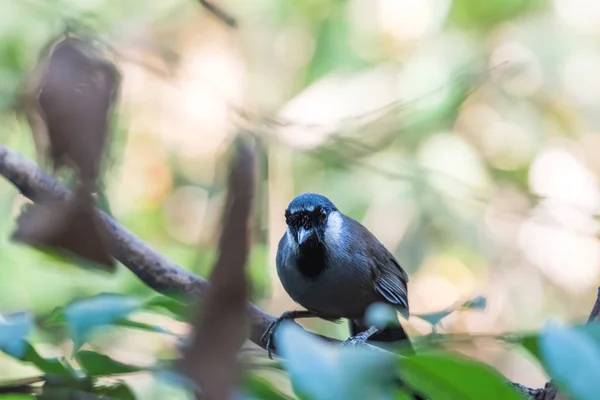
336, 268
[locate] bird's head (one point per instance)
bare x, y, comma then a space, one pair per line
307, 218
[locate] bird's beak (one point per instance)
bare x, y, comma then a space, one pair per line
304, 234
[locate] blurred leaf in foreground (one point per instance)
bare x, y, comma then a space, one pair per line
256, 387
85, 316
449, 377
572, 359
76, 96
220, 323
96, 364
51, 366
324, 371
73, 226
14, 329
478, 303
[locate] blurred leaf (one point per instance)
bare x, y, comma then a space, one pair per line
435, 318
84, 316
14, 329
220, 322
120, 391
49, 366
402, 395
532, 344
324, 371
478, 303
73, 226
381, 315
260, 388
572, 359
485, 15
447, 377
178, 309
333, 51
76, 95
142, 326
96, 364
17, 397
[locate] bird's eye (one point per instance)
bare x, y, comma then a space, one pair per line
323, 216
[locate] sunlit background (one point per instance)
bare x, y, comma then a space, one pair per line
463, 133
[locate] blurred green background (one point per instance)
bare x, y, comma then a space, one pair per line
463, 133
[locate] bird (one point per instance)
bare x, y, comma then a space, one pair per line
334, 267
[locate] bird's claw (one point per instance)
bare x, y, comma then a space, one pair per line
355, 341
268, 337
270, 333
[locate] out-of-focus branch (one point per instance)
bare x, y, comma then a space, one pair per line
219, 13
159, 273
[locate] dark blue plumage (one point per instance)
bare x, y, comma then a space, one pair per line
335, 267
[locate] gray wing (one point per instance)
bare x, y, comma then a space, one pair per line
389, 278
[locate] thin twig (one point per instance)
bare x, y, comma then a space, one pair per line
596, 309
219, 13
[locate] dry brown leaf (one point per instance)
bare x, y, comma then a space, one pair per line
220, 323
76, 96
72, 225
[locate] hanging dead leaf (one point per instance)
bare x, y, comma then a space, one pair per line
76, 96
220, 323
72, 226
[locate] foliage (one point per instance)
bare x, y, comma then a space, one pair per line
318, 370
388, 151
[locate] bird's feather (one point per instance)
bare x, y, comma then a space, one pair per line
389, 279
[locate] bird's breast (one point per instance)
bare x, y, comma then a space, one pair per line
334, 286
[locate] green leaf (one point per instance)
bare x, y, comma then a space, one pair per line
142, 326
572, 359
448, 377
14, 329
435, 318
85, 316
49, 366
120, 391
474, 13
258, 387
381, 315
176, 308
324, 371
531, 343
17, 397
478, 303
96, 364
402, 395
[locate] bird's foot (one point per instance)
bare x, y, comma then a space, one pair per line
360, 339
355, 341
270, 332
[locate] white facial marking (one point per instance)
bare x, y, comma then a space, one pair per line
333, 231
290, 238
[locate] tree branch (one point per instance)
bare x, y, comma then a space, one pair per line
159, 273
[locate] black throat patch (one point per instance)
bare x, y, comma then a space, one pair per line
312, 260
